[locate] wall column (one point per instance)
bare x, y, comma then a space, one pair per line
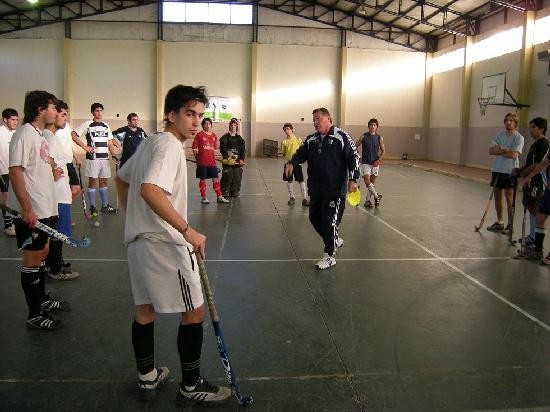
428, 82
160, 84
342, 87
67, 80
466, 97
255, 146
526, 67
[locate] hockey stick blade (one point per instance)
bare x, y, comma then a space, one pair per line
222, 349
84, 243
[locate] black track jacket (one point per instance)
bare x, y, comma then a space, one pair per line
332, 161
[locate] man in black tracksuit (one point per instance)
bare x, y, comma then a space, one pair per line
333, 170
130, 136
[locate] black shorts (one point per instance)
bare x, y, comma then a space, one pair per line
532, 194
73, 176
207, 172
4, 183
297, 174
37, 238
544, 205
505, 181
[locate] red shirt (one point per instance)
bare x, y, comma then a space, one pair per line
206, 144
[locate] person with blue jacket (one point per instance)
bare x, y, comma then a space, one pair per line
333, 170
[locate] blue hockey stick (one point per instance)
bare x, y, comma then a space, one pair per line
85, 242
224, 356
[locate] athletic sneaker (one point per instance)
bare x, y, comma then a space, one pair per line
527, 253
545, 261
291, 201
43, 322
147, 389
325, 262
377, 200
108, 209
368, 204
527, 241
93, 211
203, 393
10, 230
496, 227
305, 202
205, 201
222, 199
53, 305
64, 274
339, 242
506, 230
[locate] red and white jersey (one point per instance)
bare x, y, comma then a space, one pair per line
206, 144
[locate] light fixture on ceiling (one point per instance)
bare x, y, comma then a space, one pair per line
33, 1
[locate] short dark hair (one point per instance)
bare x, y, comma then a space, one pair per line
96, 106
131, 115
373, 120
206, 119
288, 125
179, 96
541, 123
61, 105
321, 110
9, 112
35, 101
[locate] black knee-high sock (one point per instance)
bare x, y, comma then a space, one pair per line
42, 277
143, 340
189, 348
55, 258
30, 281
540, 233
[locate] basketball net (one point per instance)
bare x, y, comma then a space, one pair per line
483, 103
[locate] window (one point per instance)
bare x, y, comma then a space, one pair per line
501, 43
447, 61
542, 30
222, 13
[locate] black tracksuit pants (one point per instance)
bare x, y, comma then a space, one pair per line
325, 214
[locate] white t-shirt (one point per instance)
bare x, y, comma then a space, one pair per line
160, 160
62, 187
97, 135
513, 142
66, 143
5, 138
29, 149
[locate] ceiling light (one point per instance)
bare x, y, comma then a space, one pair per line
33, 1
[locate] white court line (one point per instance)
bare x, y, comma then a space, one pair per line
460, 271
433, 259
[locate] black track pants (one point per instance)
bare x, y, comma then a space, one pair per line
325, 214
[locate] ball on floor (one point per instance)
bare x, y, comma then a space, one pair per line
96, 224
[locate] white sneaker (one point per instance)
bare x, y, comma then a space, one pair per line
205, 201
222, 199
64, 274
325, 262
339, 242
10, 231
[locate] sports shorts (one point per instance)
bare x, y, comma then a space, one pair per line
207, 172
544, 206
73, 177
97, 168
4, 183
297, 174
164, 275
36, 238
504, 181
370, 170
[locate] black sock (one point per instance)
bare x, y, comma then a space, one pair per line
42, 277
143, 340
30, 281
540, 233
189, 348
54, 260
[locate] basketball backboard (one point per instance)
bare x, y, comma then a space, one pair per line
494, 88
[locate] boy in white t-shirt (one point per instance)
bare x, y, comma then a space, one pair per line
99, 142
58, 269
10, 118
31, 193
152, 187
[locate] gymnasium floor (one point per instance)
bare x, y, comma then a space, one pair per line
419, 314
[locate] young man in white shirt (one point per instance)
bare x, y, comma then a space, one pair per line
31, 193
152, 187
10, 118
99, 142
58, 269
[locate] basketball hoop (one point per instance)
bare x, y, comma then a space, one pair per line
483, 103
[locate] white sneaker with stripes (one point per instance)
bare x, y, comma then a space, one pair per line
203, 393
43, 322
325, 262
147, 389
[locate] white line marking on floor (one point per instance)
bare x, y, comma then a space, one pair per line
460, 271
295, 260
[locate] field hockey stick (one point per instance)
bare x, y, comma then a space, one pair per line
82, 195
117, 165
84, 243
477, 228
222, 349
